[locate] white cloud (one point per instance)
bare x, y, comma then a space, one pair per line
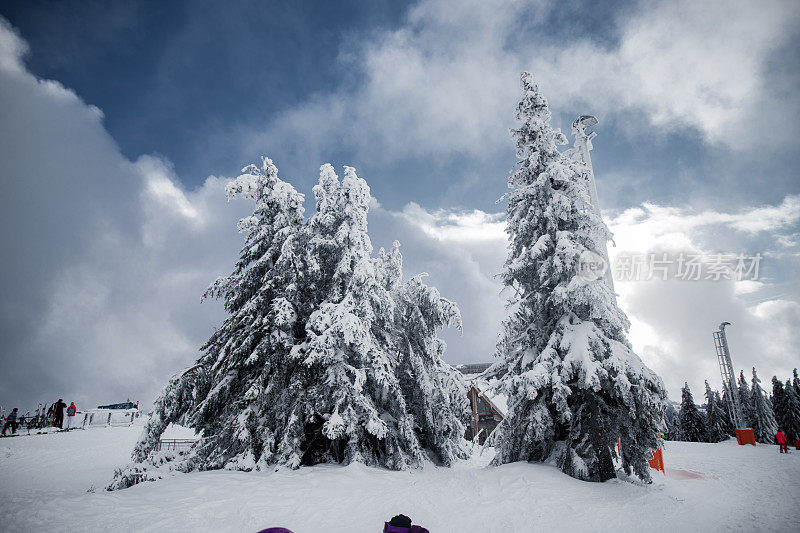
104, 260
162, 188
701, 64
442, 82
12, 48
456, 225
672, 321
652, 226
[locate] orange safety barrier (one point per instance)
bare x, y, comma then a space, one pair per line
657, 462
745, 436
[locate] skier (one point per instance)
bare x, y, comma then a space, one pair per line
59, 412
11, 422
781, 438
402, 524
71, 410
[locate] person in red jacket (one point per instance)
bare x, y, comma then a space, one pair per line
71, 410
781, 438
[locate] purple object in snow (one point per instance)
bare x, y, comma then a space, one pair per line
401, 529
275, 530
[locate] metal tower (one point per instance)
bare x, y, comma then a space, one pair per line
728, 377
583, 145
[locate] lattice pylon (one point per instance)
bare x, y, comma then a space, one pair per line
728, 377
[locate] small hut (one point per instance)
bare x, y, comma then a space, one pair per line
485, 416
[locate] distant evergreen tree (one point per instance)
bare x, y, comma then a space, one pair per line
573, 382
764, 425
716, 426
691, 421
730, 427
672, 422
790, 419
745, 400
796, 382
778, 399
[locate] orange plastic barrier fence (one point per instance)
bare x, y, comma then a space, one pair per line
657, 462
745, 436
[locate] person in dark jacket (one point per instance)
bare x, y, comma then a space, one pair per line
11, 421
59, 410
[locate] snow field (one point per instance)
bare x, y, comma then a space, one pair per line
710, 487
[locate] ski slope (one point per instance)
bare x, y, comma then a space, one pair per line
56, 482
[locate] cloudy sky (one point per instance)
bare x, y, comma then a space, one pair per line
120, 123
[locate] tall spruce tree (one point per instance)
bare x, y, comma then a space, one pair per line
790, 420
796, 382
326, 355
433, 390
746, 400
573, 382
764, 425
722, 401
779, 403
692, 424
242, 390
354, 351
672, 422
716, 426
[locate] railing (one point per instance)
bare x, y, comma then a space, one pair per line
174, 444
103, 417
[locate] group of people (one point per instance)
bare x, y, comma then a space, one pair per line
58, 414
11, 422
55, 414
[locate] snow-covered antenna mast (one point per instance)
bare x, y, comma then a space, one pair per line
728, 377
583, 145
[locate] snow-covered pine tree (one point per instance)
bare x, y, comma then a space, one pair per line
790, 422
573, 382
672, 421
716, 428
722, 401
434, 391
778, 401
796, 382
353, 352
326, 355
242, 394
764, 425
692, 424
746, 400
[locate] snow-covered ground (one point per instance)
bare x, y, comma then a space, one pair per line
44, 481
